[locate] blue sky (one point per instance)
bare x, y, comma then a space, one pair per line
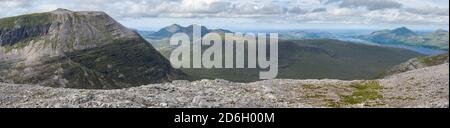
254, 14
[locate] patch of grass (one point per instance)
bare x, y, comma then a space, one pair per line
310, 86
368, 85
363, 92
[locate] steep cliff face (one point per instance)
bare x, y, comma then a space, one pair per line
8, 37
14, 29
70, 49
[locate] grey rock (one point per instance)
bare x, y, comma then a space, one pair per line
421, 88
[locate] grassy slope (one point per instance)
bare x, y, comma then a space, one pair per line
25, 20
317, 59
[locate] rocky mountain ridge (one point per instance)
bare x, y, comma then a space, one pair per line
83, 49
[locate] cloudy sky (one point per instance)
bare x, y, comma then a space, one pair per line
254, 14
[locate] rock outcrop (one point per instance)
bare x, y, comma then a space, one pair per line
427, 87
419, 62
89, 50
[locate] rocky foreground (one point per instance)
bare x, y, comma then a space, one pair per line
426, 87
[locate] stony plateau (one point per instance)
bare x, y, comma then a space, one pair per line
420, 88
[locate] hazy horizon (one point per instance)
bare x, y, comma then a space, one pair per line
298, 27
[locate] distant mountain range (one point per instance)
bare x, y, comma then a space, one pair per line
168, 31
437, 40
297, 35
88, 50
313, 59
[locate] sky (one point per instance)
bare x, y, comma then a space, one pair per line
242, 15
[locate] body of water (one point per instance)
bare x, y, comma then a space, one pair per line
419, 49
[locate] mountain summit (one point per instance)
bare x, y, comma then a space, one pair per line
84, 49
403, 31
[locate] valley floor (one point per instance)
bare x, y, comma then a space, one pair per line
426, 87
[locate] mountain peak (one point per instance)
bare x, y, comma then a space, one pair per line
403, 31
441, 31
192, 25
175, 25
173, 28
62, 10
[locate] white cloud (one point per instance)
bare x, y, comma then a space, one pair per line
429, 11
297, 10
368, 4
319, 10
293, 11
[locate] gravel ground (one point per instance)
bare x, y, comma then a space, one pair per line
426, 87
